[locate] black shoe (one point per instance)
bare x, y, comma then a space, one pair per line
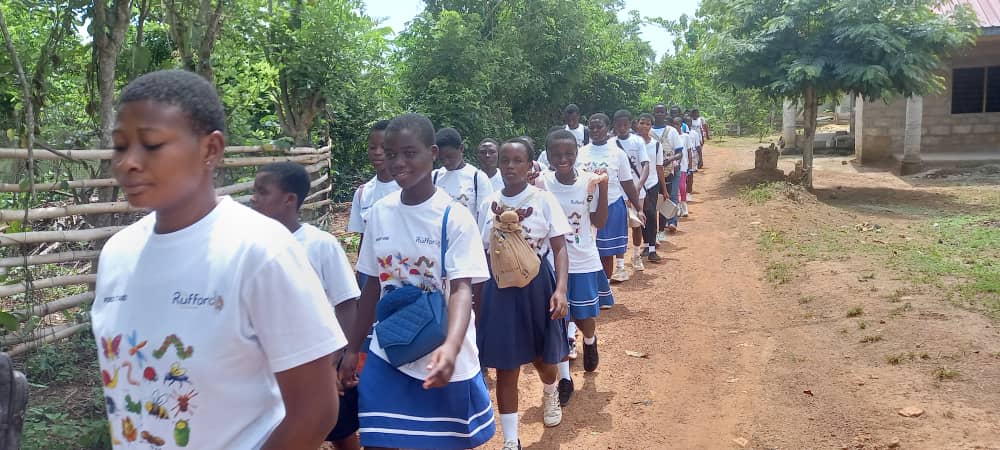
565, 391
590, 356
654, 258
645, 252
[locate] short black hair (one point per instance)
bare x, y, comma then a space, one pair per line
646, 116
559, 135
555, 128
623, 113
602, 117
419, 125
186, 90
571, 109
529, 146
379, 126
291, 177
488, 141
448, 137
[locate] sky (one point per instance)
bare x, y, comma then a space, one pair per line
397, 12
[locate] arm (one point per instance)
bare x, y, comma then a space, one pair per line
347, 315
600, 217
309, 393
442, 363
632, 194
643, 174
663, 185
558, 305
365, 314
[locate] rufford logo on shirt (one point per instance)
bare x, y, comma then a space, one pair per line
194, 300
577, 202
427, 241
116, 298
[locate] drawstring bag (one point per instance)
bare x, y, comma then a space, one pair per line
513, 261
413, 322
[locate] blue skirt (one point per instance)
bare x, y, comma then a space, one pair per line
587, 292
515, 325
612, 239
395, 411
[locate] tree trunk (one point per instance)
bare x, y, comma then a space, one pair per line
109, 33
809, 136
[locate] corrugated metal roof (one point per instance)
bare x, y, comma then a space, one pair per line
988, 11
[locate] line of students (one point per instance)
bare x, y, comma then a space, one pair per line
235, 324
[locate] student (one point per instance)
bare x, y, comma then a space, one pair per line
696, 142
543, 160
438, 401
660, 124
698, 123
187, 295
685, 172
639, 163
278, 193
583, 207
571, 116
463, 182
654, 187
672, 140
601, 155
487, 151
378, 186
522, 325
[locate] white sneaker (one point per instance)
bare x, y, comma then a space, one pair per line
511, 445
572, 349
684, 209
637, 263
551, 412
620, 275
661, 236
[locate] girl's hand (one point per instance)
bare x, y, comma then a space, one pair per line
441, 367
558, 305
348, 373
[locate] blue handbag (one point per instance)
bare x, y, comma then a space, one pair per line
413, 322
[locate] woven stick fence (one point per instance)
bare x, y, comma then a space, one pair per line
37, 321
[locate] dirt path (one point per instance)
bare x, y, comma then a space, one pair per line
698, 316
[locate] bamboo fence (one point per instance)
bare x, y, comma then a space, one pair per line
42, 246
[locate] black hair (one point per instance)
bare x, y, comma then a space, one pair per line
489, 141
527, 139
559, 135
695, 111
529, 146
602, 117
379, 126
553, 129
647, 116
623, 113
194, 95
658, 105
291, 177
571, 109
419, 125
448, 137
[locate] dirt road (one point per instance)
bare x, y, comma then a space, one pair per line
737, 360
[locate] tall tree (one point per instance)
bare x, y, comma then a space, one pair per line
807, 50
194, 28
108, 27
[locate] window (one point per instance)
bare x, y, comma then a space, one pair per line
975, 90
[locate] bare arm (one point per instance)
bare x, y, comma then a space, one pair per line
632, 194
558, 305
310, 394
663, 185
365, 317
442, 363
643, 174
600, 217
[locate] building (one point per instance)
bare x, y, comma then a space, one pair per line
959, 125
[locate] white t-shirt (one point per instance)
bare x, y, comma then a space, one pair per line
698, 124
330, 262
696, 135
688, 146
214, 309
546, 221
468, 185
543, 161
402, 245
580, 245
497, 181
611, 158
655, 151
672, 140
578, 133
364, 197
657, 133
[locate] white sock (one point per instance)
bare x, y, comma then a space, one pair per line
508, 423
652, 248
549, 388
564, 371
589, 340
571, 330
620, 263
637, 249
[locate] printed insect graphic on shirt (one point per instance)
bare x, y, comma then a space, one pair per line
183, 402
176, 375
156, 407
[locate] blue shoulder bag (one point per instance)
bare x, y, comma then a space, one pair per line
413, 322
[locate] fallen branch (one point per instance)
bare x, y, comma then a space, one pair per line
53, 258
56, 336
62, 280
316, 205
37, 237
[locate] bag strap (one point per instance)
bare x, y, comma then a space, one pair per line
444, 241
475, 188
434, 179
586, 135
634, 169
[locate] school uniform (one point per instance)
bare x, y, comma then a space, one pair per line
685, 167
466, 185
588, 288
657, 133
204, 312
652, 190
581, 133
515, 325
496, 181
672, 144
365, 197
402, 246
612, 239
701, 127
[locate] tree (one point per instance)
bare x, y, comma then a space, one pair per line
108, 27
807, 50
194, 27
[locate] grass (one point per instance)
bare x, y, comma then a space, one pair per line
871, 339
899, 358
855, 311
905, 307
759, 194
862, 324
944, 374
351, 243
779, 272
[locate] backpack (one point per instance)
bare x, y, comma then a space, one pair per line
513, 261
